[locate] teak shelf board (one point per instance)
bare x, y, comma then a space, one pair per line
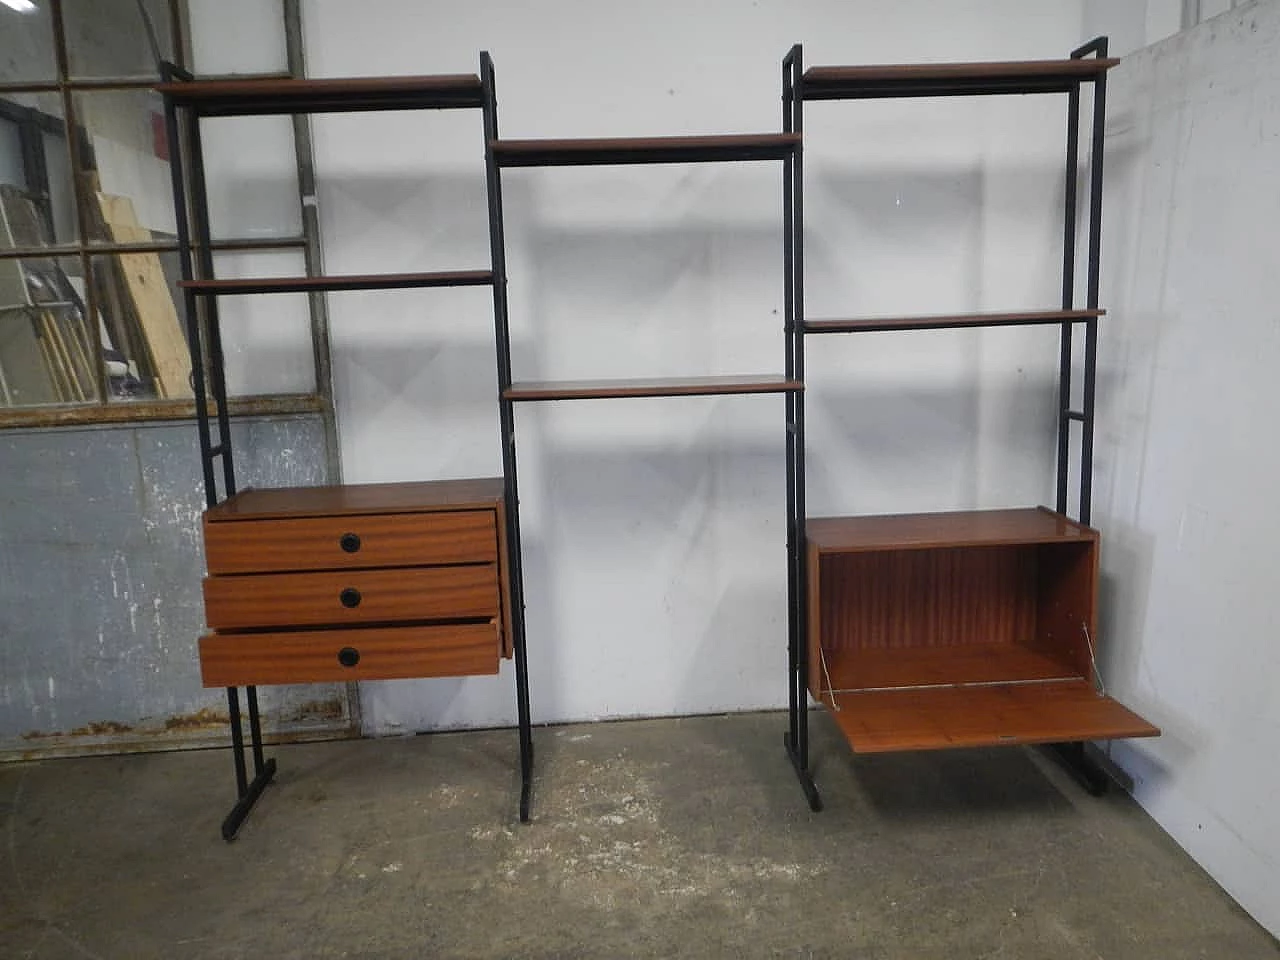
885, 721
947, 321
214, 98
484, 493
914, 531
950, 79
658, 387
975, 663
622, 150
375, 281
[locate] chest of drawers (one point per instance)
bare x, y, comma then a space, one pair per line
356, 582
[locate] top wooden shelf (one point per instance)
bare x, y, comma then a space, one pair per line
951, 79
255, 97
922, 531
621, 150
359, 498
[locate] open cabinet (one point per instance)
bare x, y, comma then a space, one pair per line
965, 629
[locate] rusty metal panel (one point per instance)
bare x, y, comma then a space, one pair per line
100, 607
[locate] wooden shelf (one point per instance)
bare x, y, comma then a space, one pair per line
359, 498
951, 79
661, 387
552, 153
375, 281
884, 721
256, 97
947, 321
972, 663
914, 531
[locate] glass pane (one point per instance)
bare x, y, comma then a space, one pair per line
26, 42
46, 348
34, 170
123, 164
143, 326
117, 38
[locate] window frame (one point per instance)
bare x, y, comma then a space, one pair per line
85, 248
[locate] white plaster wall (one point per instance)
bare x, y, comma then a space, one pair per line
1187, 462
654, 530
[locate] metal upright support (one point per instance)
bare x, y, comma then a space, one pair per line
247, 791
797, 737
1075, 756
1096, 150
1068, 296
506, 416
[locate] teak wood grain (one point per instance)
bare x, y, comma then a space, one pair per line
947, 321
386, 653
872, 668
927, 598
1082, 67
417, 497
371, 281
979, 716
971, 528
257, 601
384, 540
656, 387
250, 97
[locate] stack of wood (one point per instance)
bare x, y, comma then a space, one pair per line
46, 346
137, 304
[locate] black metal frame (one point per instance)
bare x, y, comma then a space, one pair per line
204, 340
796, 739
795, 91
507, 425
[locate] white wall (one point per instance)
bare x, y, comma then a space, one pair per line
1187, 462
654, 530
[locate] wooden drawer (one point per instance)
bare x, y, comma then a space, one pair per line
337, 598
344, 542
321, 656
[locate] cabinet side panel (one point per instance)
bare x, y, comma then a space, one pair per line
927, 598
816, 625
1067, 595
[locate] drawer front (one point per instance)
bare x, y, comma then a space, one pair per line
337, 543
338, 598
322, 656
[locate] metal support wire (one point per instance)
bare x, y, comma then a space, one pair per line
506, 416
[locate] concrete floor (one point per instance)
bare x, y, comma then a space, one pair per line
667, 838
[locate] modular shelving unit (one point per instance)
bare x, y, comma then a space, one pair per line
651, 150
354, 582
931, 631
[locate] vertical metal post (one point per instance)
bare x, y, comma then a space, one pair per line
797, 593
802, 646
1096, 150
213, 328
506, 416
1068, 295
788, 311
169, 73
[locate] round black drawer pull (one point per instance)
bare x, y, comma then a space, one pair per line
349, 542
348, 656
350, 597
